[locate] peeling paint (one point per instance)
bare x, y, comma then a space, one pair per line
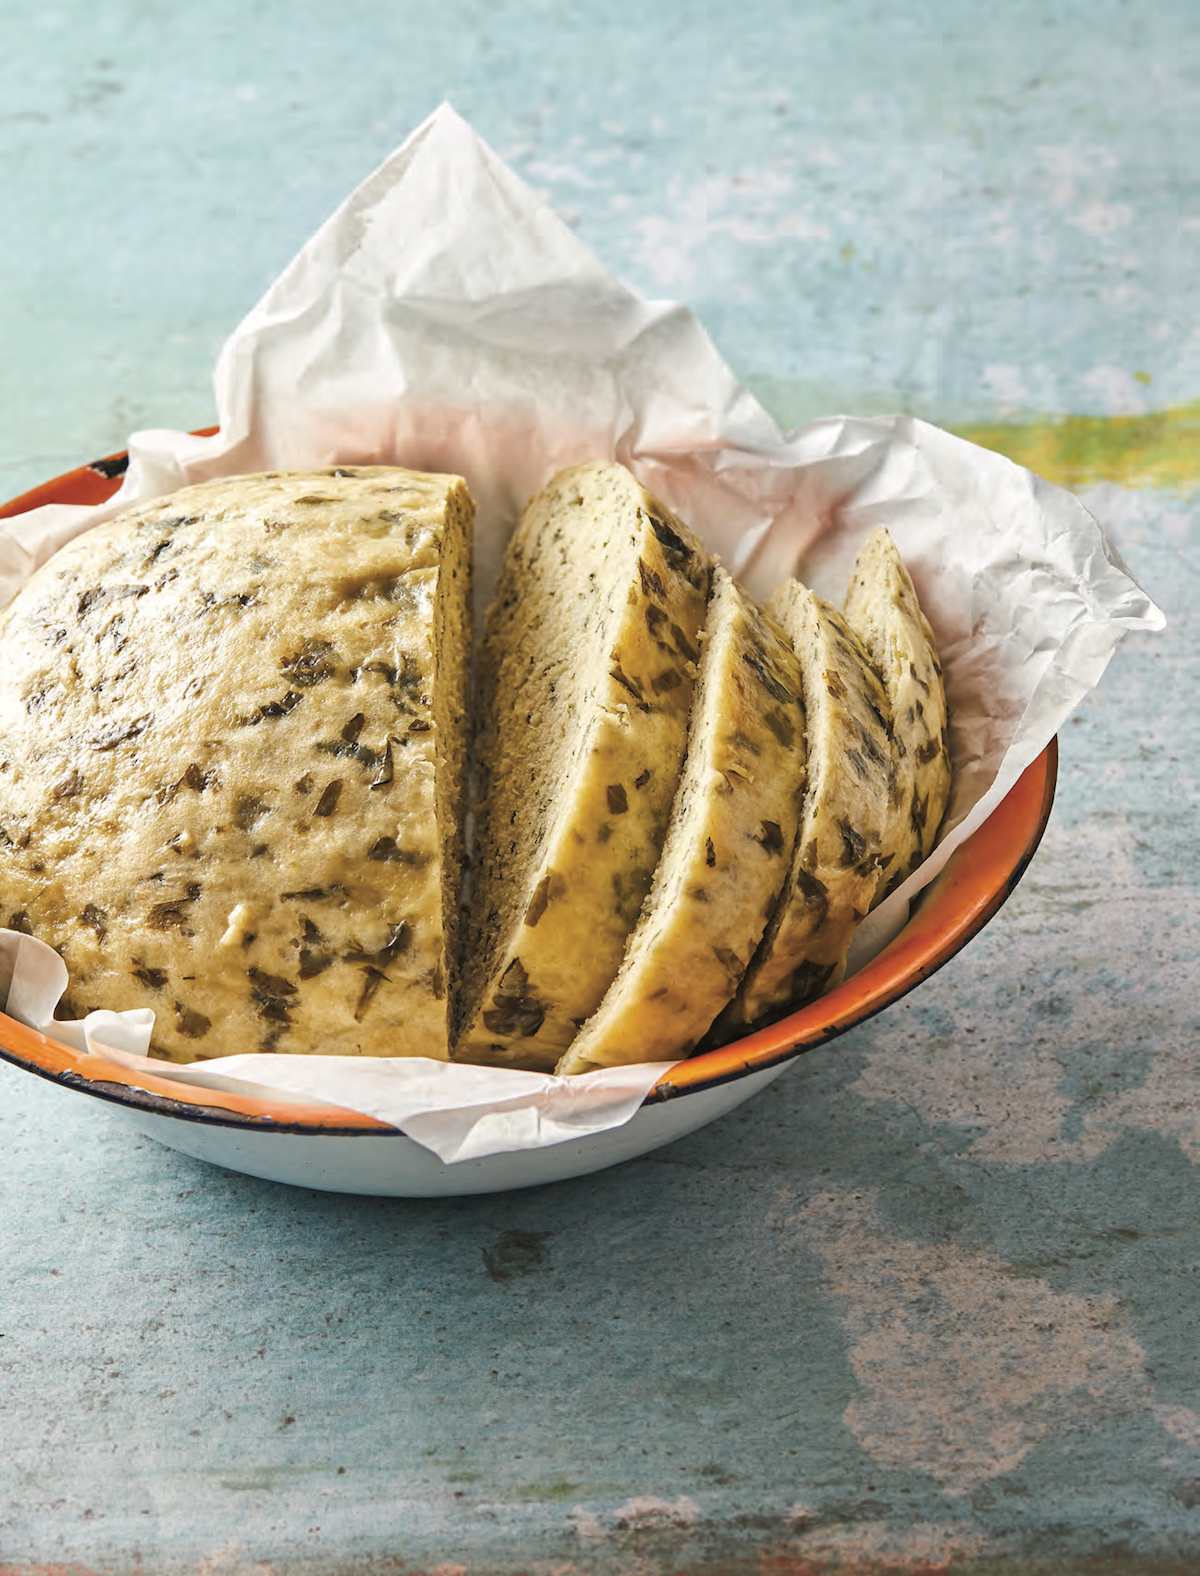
647, 1510
962, 1369
927, 1547
1158, 448
227, 1561
1008, 1081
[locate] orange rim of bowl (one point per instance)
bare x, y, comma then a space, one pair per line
976, 881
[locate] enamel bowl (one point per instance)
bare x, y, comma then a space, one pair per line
326, 1147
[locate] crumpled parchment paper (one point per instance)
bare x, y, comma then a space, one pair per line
445, 319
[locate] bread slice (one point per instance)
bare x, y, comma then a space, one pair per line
727, 848
587, 672
836, 866
233, 727
882, 607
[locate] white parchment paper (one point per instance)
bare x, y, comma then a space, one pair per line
445, 319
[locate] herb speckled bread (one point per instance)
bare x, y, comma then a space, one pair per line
587, 673
727, 850
840, 848
232, 728
882, 607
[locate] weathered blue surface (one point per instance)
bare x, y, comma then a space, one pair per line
956, 208
933, 1298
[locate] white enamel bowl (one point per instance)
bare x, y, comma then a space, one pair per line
325, 1147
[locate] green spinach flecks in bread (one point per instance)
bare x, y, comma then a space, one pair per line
840, 851
727, 850
233, 725
586, 678
882, 607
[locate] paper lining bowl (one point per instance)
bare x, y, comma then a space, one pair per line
326, 1147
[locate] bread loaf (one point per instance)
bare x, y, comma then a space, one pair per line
232, 727
727, 849
233, 733
586, 676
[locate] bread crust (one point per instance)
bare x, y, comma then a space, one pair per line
229, 741
726, 852
882, 607
590, 655
840, 848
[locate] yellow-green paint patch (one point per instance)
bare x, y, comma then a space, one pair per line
1160, 449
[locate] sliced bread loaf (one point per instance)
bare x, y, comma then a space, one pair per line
232, 728
882, 607
726, 851
836, 866
586, 678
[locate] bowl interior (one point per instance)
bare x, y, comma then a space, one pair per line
975, 883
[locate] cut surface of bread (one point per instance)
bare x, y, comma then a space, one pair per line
233, 727
586, 678
726, 852
836, 865
882, 608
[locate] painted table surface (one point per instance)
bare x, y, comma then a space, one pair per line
928, 1304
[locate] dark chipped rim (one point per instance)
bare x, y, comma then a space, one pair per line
976, 882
